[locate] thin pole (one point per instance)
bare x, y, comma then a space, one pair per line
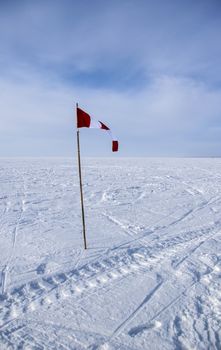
81, 190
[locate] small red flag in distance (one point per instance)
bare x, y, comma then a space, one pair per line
84, 120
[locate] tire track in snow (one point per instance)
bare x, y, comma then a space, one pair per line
140, 307
74, 283
189, 212
201, 311
61, 281
134, 331
81, 282
137, 330
186, 236
142, 237
128, 230
7, 267
76, 290
35, 336
84, 280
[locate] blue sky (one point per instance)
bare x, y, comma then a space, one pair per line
149, 69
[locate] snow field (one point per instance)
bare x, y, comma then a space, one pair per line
151, 277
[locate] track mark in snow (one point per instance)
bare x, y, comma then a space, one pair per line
79, 282
168, 250
138, 309
126, 228
7, 266
76, 283
134, 331
202, 240
199, 313
200, 275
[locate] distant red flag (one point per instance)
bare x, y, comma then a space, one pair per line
84, 120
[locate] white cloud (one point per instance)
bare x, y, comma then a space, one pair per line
172, 44
170, 107
160, 37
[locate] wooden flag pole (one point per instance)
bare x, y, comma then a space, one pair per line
81, 190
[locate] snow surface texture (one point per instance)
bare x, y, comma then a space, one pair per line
151, 277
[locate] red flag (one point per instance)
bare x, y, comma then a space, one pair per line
84, 120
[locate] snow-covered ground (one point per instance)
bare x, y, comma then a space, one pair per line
151, 277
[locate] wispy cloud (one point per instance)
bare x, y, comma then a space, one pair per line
150, 69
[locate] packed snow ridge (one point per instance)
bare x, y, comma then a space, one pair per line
151, 276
